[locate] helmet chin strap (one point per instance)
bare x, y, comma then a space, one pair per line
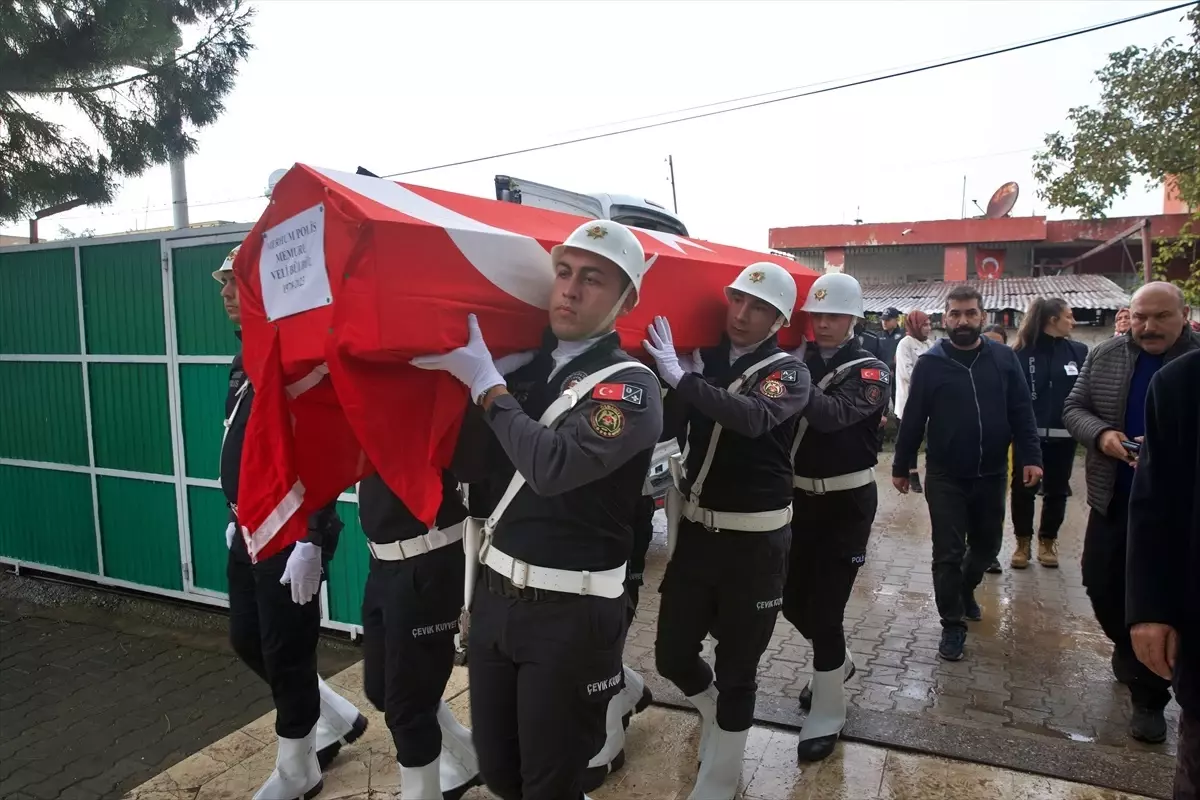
607, 323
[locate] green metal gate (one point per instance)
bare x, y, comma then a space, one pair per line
114, 363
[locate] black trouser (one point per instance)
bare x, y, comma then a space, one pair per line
829, 545
1104, 578
967, 518
541, 674
643, 534
410, 614
729, 583
275, 637
1058, 456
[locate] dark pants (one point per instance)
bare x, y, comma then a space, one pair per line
1187, 771
542, 673
275, 637
729, 583
410, 614
829, 545
643, 534
1058, 457
967, 517
1104, 578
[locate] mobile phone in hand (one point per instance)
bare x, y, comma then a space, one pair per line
1132, 447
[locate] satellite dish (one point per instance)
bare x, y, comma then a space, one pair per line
274, 179
1002, 202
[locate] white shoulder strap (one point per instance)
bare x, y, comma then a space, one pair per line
552, 417
241, 395
824, 384
734, 388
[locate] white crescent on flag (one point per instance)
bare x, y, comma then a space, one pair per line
514, 263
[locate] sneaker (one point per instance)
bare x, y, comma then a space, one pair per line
994, 568
1148, 725
951, 646
971, 610
914, 483
1048, 552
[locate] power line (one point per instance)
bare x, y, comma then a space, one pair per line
809, 93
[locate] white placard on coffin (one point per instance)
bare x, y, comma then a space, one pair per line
291, 265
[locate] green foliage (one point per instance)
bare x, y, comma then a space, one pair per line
1147, 126
116, 62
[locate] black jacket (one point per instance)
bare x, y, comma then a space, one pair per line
386, 519
882, 344
1051, 368
973, 414
1163, 561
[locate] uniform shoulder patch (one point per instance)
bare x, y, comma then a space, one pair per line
787, 376
873, 393
608, 421
623, 392
875, 374
772, 387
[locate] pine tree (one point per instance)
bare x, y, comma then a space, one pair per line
123, 64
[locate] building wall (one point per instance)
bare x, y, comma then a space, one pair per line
923, 263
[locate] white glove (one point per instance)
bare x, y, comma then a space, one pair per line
692, 363
471, 364
506, 365
303, 572
798, 353
230, 532
663, 351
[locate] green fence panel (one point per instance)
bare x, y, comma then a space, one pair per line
207, 518
139, 531
38, 309
202, 389
41, 412
201, 326
122, 298
348, 570
131, 421
46, 518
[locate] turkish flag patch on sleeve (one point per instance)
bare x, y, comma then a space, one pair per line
625, 392
877, 375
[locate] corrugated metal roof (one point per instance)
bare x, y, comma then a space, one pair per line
1081, 291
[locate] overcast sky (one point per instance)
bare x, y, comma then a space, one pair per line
402, 85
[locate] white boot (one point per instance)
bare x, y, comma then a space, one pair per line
826, 718
847, 672
612, 753
459, 770
721, 768
635, 697
297, 774
706, 704
421, 783
340, 724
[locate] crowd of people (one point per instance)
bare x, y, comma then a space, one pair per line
773, 499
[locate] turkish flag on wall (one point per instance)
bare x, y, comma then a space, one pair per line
989, 264
346, 277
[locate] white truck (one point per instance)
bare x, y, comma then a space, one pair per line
627, 210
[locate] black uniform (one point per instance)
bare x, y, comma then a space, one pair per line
643, 534
545, 664
274, 636
1051, 367
410, 614
829, 531
730, 582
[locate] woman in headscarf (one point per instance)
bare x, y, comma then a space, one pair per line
908, 351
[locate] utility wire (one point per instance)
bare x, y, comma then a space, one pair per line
794, 96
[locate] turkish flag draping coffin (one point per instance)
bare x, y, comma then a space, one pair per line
346, 277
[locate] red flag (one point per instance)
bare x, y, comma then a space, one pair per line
346, 277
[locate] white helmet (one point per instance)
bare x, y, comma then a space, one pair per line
613, 241
835, 293
226, 265
770, 283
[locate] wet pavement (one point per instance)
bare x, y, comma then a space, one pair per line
661, 765
1035, 690
100, 692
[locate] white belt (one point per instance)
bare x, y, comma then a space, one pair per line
745, 521
411, 548
610, 583
837, 483
1054, 433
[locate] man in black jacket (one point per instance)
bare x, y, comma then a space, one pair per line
1163, 567
971, 393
